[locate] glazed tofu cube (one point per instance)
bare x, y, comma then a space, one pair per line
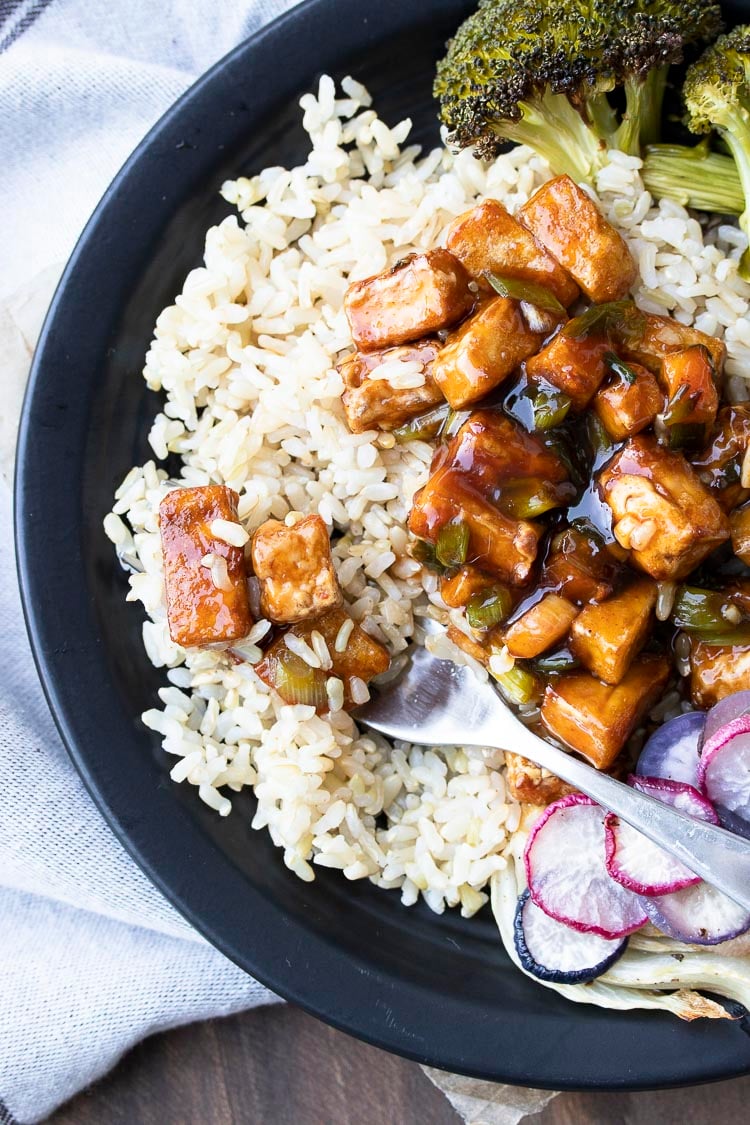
295, 570
740, 525
458, 588
607, 637
361, 658
371, 402
627, 408
574, 366
596, 719
661, 511
723, 465
580, 568
688, 378
205, 576
494, 453
716, 672
662, 335
489, 238
419, 295
531, 784
540, 627
564, 219
505, 547
483, 352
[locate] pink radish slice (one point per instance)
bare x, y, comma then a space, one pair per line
699, 915
555, 952
731, 707
672, 750
567, 875
637, 863
725, 770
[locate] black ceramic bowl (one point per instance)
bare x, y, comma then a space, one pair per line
438, 989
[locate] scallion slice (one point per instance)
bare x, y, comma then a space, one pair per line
529, 291
297, 682
518, 685
425, 426
618, 320
705, 611
452, 546
619, 368
489, 607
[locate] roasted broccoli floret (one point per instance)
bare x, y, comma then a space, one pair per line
535, 73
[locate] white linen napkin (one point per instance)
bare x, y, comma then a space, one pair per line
92, 957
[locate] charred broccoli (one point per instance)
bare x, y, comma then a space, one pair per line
534, 73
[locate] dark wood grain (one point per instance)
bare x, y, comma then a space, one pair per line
279, 1066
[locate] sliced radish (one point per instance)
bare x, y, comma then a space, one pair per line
634, 860
567, 875
725, 773
672, 751
699, 915
731, 707
557, 953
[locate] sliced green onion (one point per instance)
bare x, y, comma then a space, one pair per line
297, 682
554, 662
599, 439
619, 368
425, 554
489, 607
686, 435
425, 426
549, 408
454, 420
519, 685
529, 291
704, 611
452, 544
530, 497
726, 638
679, 406
620, 320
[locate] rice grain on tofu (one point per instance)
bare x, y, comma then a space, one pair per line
246, 359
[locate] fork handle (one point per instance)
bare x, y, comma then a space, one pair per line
720, 857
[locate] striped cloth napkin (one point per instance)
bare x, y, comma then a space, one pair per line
92, 958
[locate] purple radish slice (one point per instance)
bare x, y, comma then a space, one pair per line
725, 772
672, 751
557, 953
725, 711
634, 860
567, 876
699, 915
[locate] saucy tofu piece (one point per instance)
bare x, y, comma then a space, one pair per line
595, 718
739, 522
688, 378
373, 403
721, 464
489, 238
531, 784
540, 627
205, 577
456, 589
505, 547
580, 567
575, 366
662, 512
483, 351
363, 658
607, 637
295, 570
417, 296
662, 335
569, 224
627, 408
470, 479
717, 671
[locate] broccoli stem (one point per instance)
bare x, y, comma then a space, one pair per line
694, 177
641, 124
735, 130
557, 131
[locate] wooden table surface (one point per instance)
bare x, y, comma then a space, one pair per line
279, 1066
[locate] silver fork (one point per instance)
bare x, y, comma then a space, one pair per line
437, 703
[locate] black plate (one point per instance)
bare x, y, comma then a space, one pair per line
437, 989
